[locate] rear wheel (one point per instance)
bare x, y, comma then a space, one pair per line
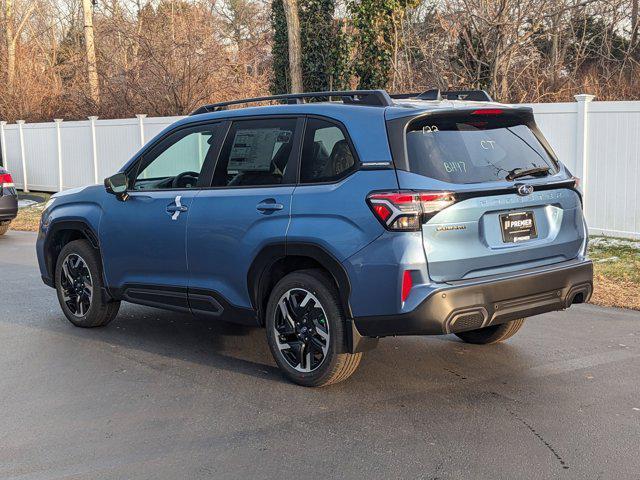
78, 278
4, 228
305, 330
492, 334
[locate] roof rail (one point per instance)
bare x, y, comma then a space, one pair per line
378, 98
436, 94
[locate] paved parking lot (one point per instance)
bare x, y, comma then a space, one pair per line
158, 395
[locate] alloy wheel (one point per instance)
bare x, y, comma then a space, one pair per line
301, 330
76, 284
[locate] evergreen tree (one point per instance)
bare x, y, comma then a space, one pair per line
280, 82
376, 22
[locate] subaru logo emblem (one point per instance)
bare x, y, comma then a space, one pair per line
524, 190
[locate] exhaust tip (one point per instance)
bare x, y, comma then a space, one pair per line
577, 298
578, 294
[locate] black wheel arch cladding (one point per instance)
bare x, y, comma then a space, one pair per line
261, 275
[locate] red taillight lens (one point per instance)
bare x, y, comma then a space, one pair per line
487, 111
407, 284
406, 211
5, 180
382, 211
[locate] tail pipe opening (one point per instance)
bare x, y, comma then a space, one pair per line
579, 294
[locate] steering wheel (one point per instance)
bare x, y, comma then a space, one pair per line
188, 178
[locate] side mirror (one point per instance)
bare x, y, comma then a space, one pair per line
117, 185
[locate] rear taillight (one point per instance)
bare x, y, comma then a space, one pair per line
6, 181
407, 211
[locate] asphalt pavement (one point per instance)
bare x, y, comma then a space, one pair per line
159, 395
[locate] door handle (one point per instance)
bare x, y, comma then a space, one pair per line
177, 208
269, 205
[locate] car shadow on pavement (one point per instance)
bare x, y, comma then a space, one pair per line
162, 340
213, 343
152, 336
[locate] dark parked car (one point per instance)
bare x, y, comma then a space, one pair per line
8, 201
331, 224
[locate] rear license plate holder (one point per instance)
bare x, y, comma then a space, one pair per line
518, 226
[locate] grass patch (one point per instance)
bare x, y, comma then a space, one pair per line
616, 272
28, 218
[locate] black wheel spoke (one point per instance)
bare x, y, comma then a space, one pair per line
316, 344
302, 351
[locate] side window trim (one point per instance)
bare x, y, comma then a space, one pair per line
357, 162
206, 176
133, 170
292, 174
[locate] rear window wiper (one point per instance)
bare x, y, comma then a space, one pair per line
520, 172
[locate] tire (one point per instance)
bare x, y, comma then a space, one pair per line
320, 364
4, 228
492, 334
86, 309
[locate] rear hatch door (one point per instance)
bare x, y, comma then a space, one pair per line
504, 219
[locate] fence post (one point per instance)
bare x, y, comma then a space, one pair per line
59, 145
95, 148
141, 117
25, 184
582, 143
3, 144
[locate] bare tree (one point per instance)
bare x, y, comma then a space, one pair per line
12, 33
166, 57
634, 23
92, 69
295, 47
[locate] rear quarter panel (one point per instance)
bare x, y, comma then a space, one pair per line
336, 216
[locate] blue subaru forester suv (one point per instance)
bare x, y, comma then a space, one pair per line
331, 223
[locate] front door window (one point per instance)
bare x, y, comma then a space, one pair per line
176, 162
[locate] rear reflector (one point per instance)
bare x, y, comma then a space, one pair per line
407, 211
407, 284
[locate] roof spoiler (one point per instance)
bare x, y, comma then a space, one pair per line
436, 94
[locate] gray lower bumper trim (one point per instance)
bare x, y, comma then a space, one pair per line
479, 303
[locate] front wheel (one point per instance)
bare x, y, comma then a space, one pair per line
78, 279
492, 334
305, 330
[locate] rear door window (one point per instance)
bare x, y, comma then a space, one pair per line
256, 153
475, 148
326, 154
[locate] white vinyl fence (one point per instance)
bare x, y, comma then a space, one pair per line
598, 141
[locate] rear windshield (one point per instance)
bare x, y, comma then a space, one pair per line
475, 148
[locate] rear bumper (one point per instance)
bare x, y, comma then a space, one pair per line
472, 304
8, 207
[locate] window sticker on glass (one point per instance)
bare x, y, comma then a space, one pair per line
253, 148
